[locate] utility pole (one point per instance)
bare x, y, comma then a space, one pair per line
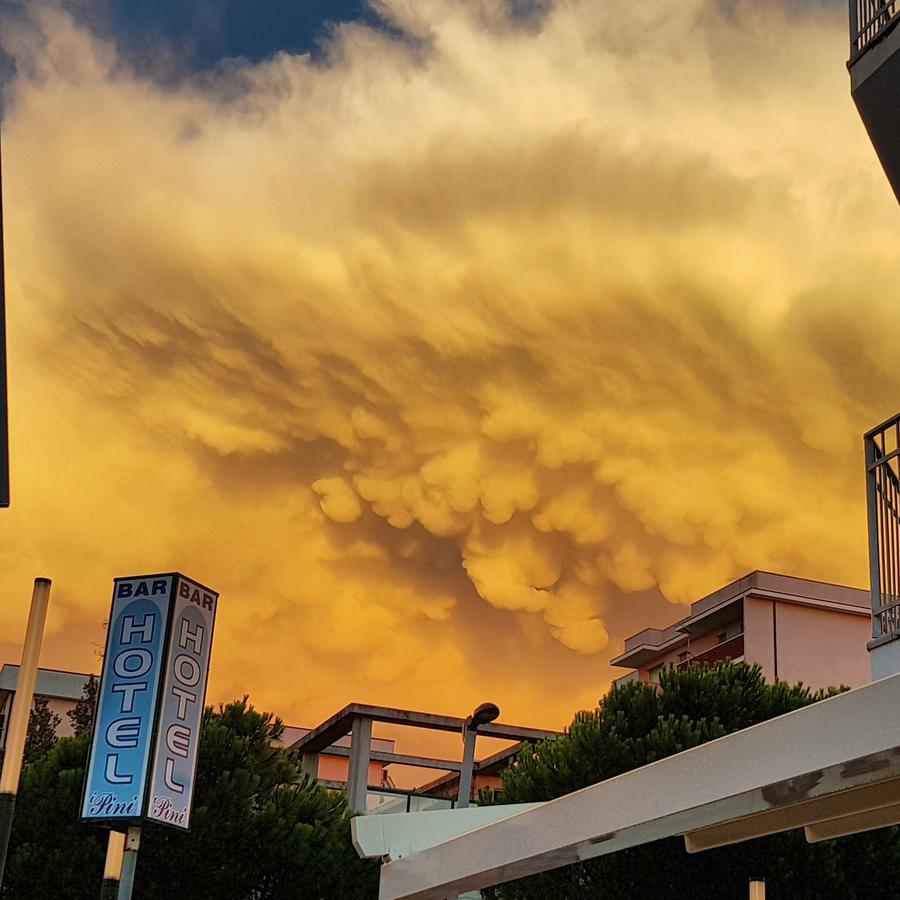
18, 721
112, 870
4, 411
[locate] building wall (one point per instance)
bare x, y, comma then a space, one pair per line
337, 768
54, 704
819, 647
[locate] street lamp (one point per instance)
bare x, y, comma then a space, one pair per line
482, 714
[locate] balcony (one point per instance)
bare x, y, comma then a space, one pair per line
875, 78
733, 648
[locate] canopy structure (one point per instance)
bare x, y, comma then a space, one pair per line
832, 768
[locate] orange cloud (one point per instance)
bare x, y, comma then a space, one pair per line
447, 357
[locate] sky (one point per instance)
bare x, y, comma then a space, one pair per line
452, 342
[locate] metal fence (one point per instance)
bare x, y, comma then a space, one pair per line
869, 19
883, 510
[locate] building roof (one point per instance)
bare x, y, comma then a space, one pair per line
49, 682
723, 605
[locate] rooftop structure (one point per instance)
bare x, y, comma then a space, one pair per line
875, 75
795, 629
62, 690
357, 719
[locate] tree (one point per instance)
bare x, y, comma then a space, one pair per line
51, 853
42, 725
636, 724
260, 830
82, 714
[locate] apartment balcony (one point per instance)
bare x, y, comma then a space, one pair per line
733, 648
875, 78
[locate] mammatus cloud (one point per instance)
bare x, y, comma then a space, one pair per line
444, 356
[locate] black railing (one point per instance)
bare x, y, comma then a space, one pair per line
883, 511
869, 20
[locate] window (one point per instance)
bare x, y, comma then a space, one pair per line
683, 655
721, 637
654, 674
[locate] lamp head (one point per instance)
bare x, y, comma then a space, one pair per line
483, 714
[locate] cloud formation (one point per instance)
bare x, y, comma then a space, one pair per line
446, 356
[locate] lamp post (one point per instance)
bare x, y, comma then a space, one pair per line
757, 889
483, 714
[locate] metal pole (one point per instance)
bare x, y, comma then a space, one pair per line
129, 862
757, 889
112, 870
4, 413
872, 503
18, 723
468, 767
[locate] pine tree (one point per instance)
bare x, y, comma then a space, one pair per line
636, 724
42, 725
82, 715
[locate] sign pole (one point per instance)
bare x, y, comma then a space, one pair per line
18, 723
129, 862
112, 870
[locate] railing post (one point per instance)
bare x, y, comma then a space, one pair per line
872, 522
854, 27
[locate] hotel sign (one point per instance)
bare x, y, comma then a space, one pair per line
152, 691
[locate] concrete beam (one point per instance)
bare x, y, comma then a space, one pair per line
335, 727
402, 759
844, 743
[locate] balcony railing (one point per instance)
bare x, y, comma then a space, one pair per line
733, 648
869, 20
883, 509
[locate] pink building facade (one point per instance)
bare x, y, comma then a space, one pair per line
795, 629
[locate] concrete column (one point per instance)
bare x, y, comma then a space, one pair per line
358, 780
468, 768
309, 765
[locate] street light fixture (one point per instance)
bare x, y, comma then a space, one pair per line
482, 714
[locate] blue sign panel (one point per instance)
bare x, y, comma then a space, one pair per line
181, 705
116, 779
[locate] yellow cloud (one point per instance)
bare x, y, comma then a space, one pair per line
439, 354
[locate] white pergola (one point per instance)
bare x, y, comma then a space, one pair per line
832, 768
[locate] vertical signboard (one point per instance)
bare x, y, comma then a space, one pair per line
115, 782
184, 691
152, 691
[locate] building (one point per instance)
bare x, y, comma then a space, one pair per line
796, 629
62, 690
874, 66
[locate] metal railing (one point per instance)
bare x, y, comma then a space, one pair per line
733, 648
883, 510
869, 20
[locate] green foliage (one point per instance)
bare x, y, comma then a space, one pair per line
51, 853
636, 724
82, 714
42, 725
260, 830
